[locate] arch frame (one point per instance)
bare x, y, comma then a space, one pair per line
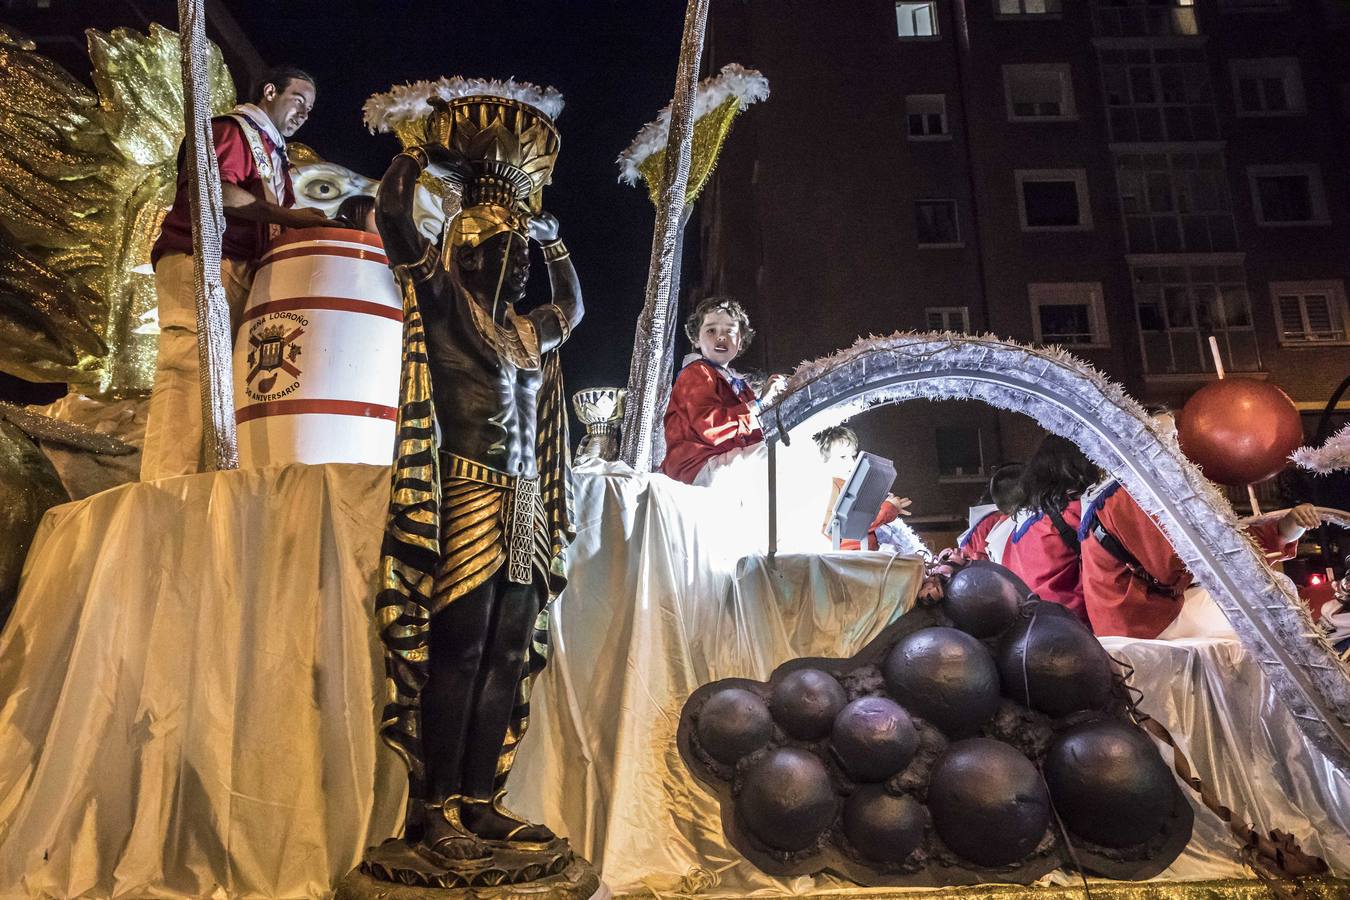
1068, 397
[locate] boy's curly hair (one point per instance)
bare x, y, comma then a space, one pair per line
727, 305
825, 440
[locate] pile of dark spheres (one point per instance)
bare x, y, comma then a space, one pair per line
941, 753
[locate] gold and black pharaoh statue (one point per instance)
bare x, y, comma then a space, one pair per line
479, 508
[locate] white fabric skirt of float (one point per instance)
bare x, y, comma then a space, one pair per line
317, 356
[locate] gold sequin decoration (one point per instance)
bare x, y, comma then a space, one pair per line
710, 133
85, 179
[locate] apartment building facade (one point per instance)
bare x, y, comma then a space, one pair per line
1126, 178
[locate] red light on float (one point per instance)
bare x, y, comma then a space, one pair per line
1314, 580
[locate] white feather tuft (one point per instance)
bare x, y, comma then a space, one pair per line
408, 102
1328, 458
746, 85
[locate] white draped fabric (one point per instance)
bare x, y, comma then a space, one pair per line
190, 687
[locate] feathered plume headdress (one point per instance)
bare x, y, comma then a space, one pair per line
718, 101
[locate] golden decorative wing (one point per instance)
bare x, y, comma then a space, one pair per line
717, 103
85, 179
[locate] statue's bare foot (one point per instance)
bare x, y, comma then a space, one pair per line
447, 843
496, 824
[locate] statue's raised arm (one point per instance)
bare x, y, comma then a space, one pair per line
555, 322
396, 200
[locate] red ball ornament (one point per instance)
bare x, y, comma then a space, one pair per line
1239, 431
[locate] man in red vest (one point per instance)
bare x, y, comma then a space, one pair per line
258, 195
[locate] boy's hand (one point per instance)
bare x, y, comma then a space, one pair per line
773, 387
901, 504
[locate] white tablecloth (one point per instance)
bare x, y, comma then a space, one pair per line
190, 687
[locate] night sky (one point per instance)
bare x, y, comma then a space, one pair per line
614, 63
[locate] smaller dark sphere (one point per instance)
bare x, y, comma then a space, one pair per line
881, 827
732, 723
1062, 665
805, 703
787, 800
945, 677
988, 802
874, 738
1109, 783
983, 598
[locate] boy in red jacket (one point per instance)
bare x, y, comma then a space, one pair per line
713, 416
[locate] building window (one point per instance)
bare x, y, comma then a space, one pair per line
1053, 199
1268, 87
1158, 94
1068, 313
1175, 201
1310, 312
1027, 7
960, 454
947, 318
926, 117
1288, 195
1180, 302
1038, 93
936, 223
916, 20
1143, 18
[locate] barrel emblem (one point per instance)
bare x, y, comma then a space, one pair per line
273, 348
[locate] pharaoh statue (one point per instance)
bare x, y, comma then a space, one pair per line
478, 512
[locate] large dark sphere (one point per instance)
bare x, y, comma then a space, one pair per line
988, 802
1109, 783
882, 827
874, 738
1239, 431
1059, 661
983, 598
946, 677
787, 800
732, 723
805, 703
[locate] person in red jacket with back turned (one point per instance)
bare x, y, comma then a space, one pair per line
1134, 583
713, 416
1043, 550
988, 538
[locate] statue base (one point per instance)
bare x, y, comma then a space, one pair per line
394, 871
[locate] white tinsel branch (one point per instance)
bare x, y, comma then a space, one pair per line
746, 85
408, 102
1328, 458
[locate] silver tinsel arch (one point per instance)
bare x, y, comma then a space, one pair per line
1070, 398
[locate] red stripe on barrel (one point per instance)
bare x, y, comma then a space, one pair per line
341, 304
322, 407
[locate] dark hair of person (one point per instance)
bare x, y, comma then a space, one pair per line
1005, 488
352, 212
826, 439
280, 77
1057, 473
727, 305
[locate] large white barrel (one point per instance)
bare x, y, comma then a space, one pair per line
316, 359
